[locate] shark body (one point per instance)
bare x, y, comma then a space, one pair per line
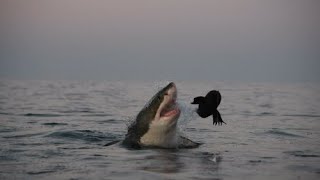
156, 124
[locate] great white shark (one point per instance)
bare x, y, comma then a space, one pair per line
156, 124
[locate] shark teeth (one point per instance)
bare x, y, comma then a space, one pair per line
170, 109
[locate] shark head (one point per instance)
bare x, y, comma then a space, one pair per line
156, 123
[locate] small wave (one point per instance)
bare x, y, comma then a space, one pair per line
255, 161
282, 133
7, 129
47, 170
302, 115
55, 124
302, 167
301, 154
81, 147
112, 121
266, 114
8, 158
76, 111
23, 135
266, 105
5, 113
42, 115
85, 135
40, 172
267, 157
96, 115
86, 112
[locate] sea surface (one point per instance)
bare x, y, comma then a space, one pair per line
58, 129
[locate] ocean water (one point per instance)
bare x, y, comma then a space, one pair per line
58, 129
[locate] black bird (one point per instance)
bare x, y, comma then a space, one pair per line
208, 106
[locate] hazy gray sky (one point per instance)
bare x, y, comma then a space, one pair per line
238, 40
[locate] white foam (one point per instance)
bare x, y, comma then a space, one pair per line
188, 113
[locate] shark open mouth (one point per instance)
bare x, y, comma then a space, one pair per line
170, 109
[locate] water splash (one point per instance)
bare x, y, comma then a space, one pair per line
157, 86
130, 120
188, 113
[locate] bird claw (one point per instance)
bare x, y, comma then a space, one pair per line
219, 123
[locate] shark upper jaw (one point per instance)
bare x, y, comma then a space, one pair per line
168, 109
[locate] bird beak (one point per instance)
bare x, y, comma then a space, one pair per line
193, 102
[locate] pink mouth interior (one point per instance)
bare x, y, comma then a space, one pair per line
171, 109
171, 112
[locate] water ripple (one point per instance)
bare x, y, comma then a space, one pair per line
282, 133
54, 124
42, 115
304, 154
85, 135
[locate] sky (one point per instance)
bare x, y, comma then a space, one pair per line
215, 40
